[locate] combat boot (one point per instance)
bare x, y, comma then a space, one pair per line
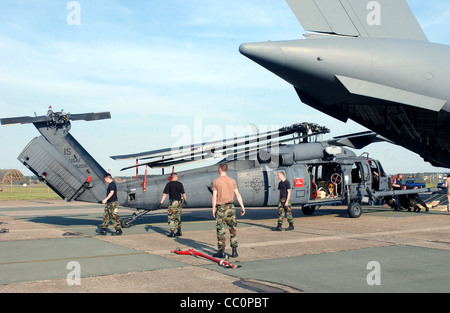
101, 231
171, 234
178, 233
220, 254
234, 253
118, 232
278, 228
291, 227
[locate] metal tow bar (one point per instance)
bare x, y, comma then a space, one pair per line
196, 253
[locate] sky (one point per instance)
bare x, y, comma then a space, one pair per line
169, 71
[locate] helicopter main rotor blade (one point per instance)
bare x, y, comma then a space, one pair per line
220, 144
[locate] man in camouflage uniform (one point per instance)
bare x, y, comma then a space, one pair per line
174, 218
224, 189
284, 203
112, 208
175, 190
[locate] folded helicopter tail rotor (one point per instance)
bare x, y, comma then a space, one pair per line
55, 118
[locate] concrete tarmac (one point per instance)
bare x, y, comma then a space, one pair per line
50, 241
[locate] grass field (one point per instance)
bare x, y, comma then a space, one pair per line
30, 192
40, 191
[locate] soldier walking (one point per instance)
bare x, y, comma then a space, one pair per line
175, 190
224, 190
284, 203
112, 208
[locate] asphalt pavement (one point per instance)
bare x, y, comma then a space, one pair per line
52, 247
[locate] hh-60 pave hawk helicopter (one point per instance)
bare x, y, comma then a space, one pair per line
321, 173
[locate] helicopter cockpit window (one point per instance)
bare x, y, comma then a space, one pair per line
319, 173
375, 174
382, 173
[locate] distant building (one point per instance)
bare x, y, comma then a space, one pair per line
10, 176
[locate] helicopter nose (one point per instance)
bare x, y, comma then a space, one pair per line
267, 54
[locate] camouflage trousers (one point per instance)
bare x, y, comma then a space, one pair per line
283, 208
226, 216
111, 214
174, 215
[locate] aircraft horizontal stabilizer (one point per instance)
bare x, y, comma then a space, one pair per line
358, 18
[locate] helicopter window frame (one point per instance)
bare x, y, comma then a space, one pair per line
382, 172
356, 169
318, 172
366, 172
375, 166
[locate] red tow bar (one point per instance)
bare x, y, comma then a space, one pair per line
196, 253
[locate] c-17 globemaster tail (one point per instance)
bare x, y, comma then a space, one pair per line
368, 61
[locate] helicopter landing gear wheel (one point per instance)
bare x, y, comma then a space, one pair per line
308, 210
125, 223
354, 210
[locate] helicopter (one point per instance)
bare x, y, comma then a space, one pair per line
321, 172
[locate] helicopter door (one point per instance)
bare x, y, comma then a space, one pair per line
300, 186
360, 178
384, 184
273, 192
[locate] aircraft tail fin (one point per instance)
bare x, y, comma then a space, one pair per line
358, 18
59, 160
60, 174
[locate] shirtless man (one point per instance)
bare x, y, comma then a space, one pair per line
224, 190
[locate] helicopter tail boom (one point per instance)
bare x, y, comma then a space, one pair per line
59, 160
